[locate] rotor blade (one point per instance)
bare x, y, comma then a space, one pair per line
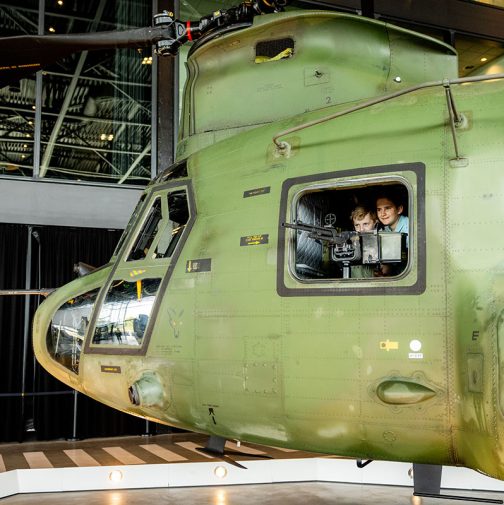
25, 54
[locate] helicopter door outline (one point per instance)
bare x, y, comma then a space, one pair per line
313, 259
146, 269
414, 176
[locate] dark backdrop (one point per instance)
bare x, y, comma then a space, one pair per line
47, 416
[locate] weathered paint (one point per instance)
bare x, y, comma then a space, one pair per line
236, 358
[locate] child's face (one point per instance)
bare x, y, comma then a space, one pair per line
364, 224
387, 212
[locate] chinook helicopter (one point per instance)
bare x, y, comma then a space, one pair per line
229, 306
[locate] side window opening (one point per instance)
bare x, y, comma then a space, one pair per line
162, 228
350, 232
147, 233
178, 216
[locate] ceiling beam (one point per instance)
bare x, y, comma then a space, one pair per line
462, 16
46, 159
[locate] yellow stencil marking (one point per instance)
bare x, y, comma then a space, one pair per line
387, 345
134, 273
139, 289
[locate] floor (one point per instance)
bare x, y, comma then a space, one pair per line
183, 448
307, 493
175, 448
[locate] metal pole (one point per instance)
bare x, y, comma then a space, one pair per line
74, 426
167, 101
147, 429
26, 330
37, 134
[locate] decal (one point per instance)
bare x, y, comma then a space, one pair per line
415, 355
415, 345
254, 240
387, 345
134, 273
199, 265
256, 192
175, 321
110, 369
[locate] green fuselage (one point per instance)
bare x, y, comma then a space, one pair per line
245, 347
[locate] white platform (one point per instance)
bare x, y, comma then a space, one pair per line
203, 474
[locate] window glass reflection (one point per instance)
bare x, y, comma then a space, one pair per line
125, 313
68, 328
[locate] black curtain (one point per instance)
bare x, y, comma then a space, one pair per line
13, 242
48, 414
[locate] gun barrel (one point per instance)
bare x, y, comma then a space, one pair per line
315, 232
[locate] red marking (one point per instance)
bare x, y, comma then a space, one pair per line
188, 31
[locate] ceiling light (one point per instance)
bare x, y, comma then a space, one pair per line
110, 137
25, 145
23, 156
33, 107
30, 122
28, 135
60, 2
483, 59
397, 79
52, 29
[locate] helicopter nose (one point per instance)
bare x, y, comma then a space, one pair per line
60, 326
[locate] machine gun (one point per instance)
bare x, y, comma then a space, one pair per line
329, 235
344, 246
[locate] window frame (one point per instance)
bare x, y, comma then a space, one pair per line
290, 284
162, 267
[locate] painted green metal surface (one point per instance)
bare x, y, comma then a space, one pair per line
236, 357
337, 58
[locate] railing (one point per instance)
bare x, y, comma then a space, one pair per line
283, 146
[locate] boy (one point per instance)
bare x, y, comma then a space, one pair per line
363, 219
390, 214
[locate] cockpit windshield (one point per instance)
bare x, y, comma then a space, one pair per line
67, 330
125, 313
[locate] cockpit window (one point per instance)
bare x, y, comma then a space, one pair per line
147, 233
163, 227
178, 215
67, 330
125, 313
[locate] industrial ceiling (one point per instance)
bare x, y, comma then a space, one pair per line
95, 115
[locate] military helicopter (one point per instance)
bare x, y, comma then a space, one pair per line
229, 306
